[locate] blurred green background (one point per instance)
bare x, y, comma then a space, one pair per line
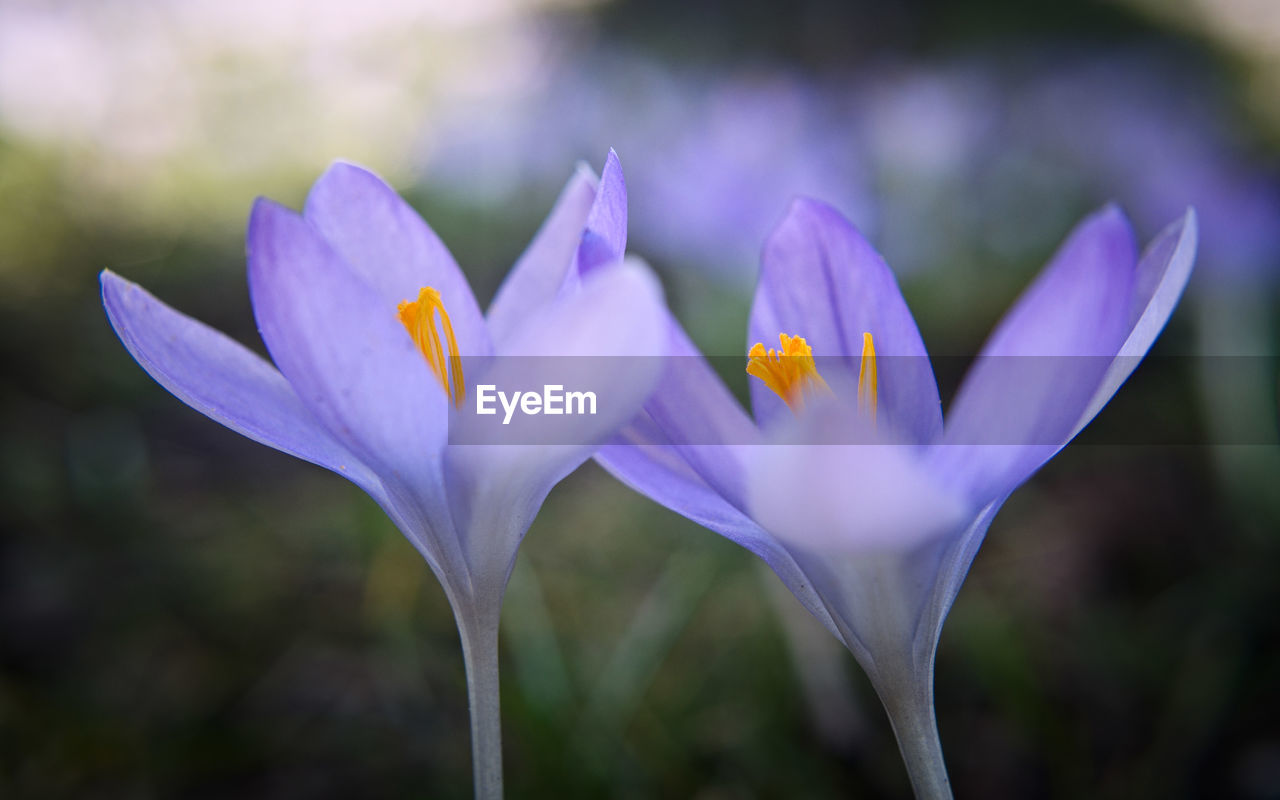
186, 613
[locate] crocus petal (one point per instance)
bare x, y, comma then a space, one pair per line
692, 406
946, 580
391, 248
1039, 371
812, 488
603, 338
822, 280
643, 459
605, 238
340, 344
223, 380
1163, 272
878, 600
866, 524
537, 277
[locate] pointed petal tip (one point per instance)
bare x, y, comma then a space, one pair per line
340, 178
804, 208
808, 202
612, 172
1191, 220
113, 289
604, 239
1185, 227
806, 217
265, 208
583, 171
336, 171
265, 217
343, 166
1111, 207
339, 163
1107, 228
1191, 229
803, 204
1112, 216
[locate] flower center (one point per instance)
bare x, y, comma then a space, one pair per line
791, 374
419, 319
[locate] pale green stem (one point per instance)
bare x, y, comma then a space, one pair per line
479, 633
910, 711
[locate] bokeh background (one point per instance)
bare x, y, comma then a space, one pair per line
184, 613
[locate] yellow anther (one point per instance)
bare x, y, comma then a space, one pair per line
419, 319
789, 371
867, 378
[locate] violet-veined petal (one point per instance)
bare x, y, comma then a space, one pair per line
1039, 371
223, 379
537, 277
820, 279
340, 344
391, 248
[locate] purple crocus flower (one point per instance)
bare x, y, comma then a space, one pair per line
368, 320
847, 482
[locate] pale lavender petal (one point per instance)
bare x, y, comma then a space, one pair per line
878, 600
1163, 272
946, 580
1041, 367
342, 346
643, 459
822, 280
537, 277
603, 339
391, 248
865, 522
605, 238
695, 410
810, 488
223, 380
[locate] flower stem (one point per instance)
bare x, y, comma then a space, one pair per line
479, 633
911, 714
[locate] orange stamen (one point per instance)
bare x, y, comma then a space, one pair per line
419, 319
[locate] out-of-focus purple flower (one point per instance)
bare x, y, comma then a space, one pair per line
847, 482
729, 160
364, 375
1155, 135
941, 162
723, 153
992, 153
